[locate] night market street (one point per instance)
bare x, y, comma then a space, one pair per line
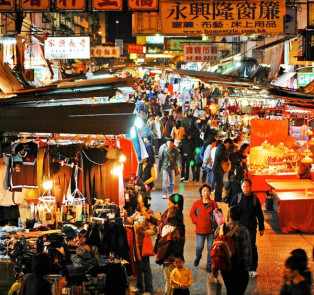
273, 248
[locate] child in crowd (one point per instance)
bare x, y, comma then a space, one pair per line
181, 278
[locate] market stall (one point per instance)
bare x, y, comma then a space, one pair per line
294, 203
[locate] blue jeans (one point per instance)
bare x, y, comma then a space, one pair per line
144, 270
209, 175
167, 181
200, 240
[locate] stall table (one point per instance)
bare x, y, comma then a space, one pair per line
294, 203
260, 187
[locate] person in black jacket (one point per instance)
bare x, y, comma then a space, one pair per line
218, 172
186, 156
252, 212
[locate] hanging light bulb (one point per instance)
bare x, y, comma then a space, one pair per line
307, 152
117, 169
307, 160
47, 183
308, 132
311, 142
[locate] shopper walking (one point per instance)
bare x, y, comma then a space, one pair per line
252, 213
157, 130
200, 214
218, 172
237, 278
169, 160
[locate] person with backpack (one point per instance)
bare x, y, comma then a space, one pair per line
233, 265
252, 213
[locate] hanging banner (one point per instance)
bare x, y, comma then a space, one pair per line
107, 4
143, 5
7, 5
222, 18
177, 44
135, 48
201, 53
35, 5
69, 4
67, 48
105, 51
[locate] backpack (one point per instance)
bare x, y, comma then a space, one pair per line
223, 249
240, 197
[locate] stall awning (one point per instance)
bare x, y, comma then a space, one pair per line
270, 44
109, 119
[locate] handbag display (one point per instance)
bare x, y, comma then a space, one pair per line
147, 247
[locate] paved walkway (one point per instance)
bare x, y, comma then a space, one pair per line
273, 247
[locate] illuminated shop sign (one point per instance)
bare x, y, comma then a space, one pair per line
33, 5
107, 4
105, 51
201, 53
7, 5
222, 18
67, 48
143, 5
69, 4
154, 40
305, 79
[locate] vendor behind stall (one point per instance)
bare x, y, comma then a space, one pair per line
146, 177
304, 170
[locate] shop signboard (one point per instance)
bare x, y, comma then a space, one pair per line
35, 5
304, 79
177, 44
67, 48
201, 53
107, 4
143, 5
69, 4
154, 40
7, 5
222, 17
310, 10
105, 51
135, 48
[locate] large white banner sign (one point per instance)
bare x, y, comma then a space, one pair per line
67, 48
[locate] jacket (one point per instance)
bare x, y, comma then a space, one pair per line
220, 156
168, 246
154, 130
169, 158
200, 215
251, 212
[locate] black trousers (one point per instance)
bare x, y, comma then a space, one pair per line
254, 252
236, 281
181, 292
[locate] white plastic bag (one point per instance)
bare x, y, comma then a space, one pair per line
213, 286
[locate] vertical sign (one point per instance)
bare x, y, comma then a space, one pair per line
107, 4
70, 4
7, 5
34, 5
143, 5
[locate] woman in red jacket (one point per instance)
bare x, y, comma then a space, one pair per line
201, 213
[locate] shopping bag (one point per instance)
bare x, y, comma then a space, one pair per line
148, 247
213, 286
219, 218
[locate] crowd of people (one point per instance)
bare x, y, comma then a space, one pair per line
183, 137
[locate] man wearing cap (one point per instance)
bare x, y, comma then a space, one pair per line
168, 160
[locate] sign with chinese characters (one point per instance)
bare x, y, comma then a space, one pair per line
107, 4
305, 79
201, 53
177, 44
105, 51
222, 18
7, 5
67, 48
142, 5
70, 4
135, 48
155, 40
30, 5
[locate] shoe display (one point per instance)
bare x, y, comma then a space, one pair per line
196, 262
137, 291
253, 274
165, 197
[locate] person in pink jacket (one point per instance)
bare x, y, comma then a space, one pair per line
202, 216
